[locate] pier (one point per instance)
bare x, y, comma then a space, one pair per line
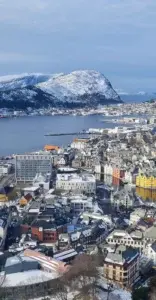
73, 133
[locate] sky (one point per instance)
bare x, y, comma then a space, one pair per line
115, 37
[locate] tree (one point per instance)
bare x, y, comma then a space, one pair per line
140, 294
61, 290
83, 276
152, 288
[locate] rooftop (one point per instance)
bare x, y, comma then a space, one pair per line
76, 177
26, 278
122, 255
31, 189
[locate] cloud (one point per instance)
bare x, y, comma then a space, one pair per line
114, 36
9, 57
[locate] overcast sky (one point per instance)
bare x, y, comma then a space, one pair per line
115, 37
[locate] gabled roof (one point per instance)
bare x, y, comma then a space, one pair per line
28, 197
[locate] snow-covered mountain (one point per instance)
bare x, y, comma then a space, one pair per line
79, 88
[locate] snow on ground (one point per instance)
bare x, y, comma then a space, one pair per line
101, 295
115, 295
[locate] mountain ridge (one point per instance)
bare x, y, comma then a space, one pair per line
76, 89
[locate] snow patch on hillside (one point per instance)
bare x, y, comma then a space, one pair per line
12, 82
79, 83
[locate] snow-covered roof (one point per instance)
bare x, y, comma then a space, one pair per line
30, 189
76, 178
27, 278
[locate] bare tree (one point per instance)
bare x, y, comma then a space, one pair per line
61, 290
83, 276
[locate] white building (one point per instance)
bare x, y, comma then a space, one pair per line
79, 144
61, 161
122, 199
121, 237
97, 168
3, 225
79, 205
41, 181
136, 215
83, 183
32, 190
150, 252
108, 169
128, 177
4, 169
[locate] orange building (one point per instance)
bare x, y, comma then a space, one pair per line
25, 199
81, 140
51, 148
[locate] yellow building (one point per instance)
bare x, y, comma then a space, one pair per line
146, 194
3, 198
146, 182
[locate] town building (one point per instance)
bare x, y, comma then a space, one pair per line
5, 169
79, 144
42, 181
25, 199
122, 198
28, 165
82, 183
51, 148
150, 252
146, 182
122, 266
136, 215
45, 232
134, 239
79, 205
150, 234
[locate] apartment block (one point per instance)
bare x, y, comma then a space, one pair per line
122, 266
28, 165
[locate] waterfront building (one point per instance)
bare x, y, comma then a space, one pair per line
122, 266
146, 182
146, 194
79, 144
83, 183
28, 165
51, 148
